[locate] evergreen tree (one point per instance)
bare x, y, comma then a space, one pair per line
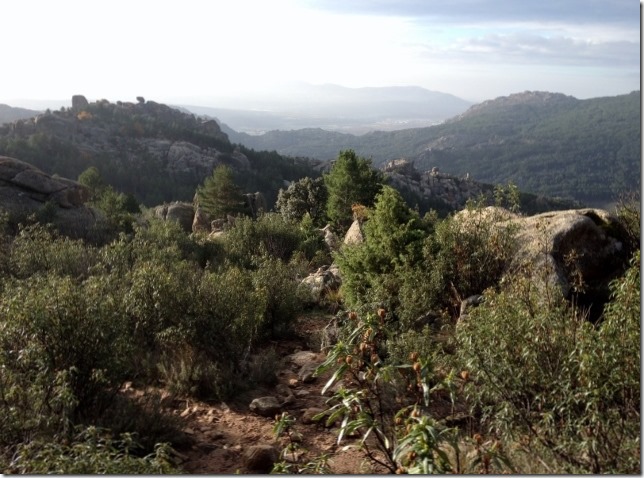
306, 196
219, 195
393, 242
351, 180
92, 179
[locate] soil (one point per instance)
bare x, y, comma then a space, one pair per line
220, 433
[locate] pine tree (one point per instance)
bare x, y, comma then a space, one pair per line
219, 195
351, 180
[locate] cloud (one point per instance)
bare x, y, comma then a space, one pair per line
530, 48
481, 11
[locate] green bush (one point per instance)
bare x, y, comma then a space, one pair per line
465, 255
545, 377
63, 346
270, 234
38, 248
304, 197
93, 451
393, 241
276, 281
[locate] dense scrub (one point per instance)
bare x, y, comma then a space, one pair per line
539, 387
546, 390
156, 307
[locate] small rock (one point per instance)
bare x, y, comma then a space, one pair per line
309, 413
306, 373
260, 458
266, 406
292, 382
215, 435
207, 447
302, 358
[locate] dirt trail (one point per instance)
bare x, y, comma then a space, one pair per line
222, 432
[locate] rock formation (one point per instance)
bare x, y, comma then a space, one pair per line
179, 212
26, 190
579, 250
453, 191
79, 103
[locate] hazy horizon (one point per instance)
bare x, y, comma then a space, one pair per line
219, 53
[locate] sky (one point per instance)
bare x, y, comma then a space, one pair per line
210, 52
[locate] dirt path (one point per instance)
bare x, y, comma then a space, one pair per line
222, 432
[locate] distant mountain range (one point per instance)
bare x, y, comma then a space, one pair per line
337, 108
9, 114
546, 143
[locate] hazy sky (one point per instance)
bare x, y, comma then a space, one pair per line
196, 51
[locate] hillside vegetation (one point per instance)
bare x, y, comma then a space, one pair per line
146, 149
451, 347
545, 143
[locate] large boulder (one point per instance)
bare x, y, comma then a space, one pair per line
318, 284
354, 234
579, 251
179, 212
26, 190
579, 247
256, 203
201, 221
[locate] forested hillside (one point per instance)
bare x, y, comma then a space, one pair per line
149, 150
546, 143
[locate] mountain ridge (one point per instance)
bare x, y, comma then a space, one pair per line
526, 138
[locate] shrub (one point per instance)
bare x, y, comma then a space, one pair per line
544, 376
276, 281
304, 197
385, 403
270, 234
93, 451
38, 248
465, 255
393, 240
63, 346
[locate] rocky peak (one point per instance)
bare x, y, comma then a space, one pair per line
433, 184
532, 98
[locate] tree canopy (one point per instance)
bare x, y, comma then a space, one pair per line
219, 195
351, 180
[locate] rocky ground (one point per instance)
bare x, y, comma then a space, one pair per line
226, 438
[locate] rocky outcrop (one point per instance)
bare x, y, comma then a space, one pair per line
179, 212
26, 190
79, 103
452, 190
326, 279
579, 251
135, 130
354, 234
